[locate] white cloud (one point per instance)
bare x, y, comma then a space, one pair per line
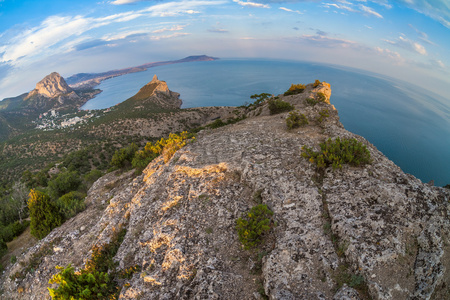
56, 33
173, 28
121, 2
370, 11
161, 37
251, 4
409, 45
438, 10
290, 10
392, 55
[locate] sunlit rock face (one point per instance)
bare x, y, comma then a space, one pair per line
350, 233
51, 86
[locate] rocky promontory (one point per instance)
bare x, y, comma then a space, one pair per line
370, 232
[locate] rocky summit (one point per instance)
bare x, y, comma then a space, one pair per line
51, 86
370, 232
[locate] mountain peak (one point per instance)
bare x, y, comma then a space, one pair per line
51, 86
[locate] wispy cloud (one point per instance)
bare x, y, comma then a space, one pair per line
436, 9
251, 4
56, 33
409, 45
370, 11
422, 35
218, 30
290, 10
173, 28
391, 55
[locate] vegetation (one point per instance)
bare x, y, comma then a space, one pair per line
321, 97
71, 204
277, 106
323, 114
44, 214
338, 152
254, 225
316, 83
166, 147
98, 280
82, 285
295, 120
295, 89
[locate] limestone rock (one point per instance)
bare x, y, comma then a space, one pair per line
51, 86
372, 226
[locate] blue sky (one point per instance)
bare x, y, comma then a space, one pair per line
406, 39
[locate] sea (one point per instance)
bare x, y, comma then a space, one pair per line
410, 125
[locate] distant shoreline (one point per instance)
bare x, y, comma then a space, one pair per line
90, 80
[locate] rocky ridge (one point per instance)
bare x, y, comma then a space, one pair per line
372, 225
51, 86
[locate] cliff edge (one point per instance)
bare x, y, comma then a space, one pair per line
369, 232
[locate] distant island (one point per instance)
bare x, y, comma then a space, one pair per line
93, 79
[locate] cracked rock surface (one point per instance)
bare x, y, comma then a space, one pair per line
387, 228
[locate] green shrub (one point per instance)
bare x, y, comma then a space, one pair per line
323, 114
92, 176
321, 97
253, 225
311, 101
122, 158
278, 106
216, 124
295, 89
81, 285
71, 204
94, 281
9, 232
295, 120
64, 183
338, 152
316, 83
43, 213
3, 247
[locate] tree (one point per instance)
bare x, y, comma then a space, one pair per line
64, 183
43, 213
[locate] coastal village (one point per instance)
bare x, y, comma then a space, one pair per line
53, 119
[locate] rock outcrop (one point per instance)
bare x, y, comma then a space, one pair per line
51, 86
351, 233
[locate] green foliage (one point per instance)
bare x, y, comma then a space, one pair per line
316, 83
311, 101
295, 120
92, 176
123, 158
3, 247
321, 97
216, 124
13, 259
338, 152
70, 204
295, 89
10, 231
81, 285
277, 106
44, 214
97, 280
259, 99
253, 225
323, 114
64, 183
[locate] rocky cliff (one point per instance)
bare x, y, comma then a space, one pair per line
369, 232
51, 86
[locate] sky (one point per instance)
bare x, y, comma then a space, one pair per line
404, 39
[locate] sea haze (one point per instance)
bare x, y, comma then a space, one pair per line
409, 125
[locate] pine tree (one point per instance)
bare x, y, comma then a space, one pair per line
44, 214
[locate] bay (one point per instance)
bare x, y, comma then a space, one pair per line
411, 126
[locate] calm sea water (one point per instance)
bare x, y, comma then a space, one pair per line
409, 125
